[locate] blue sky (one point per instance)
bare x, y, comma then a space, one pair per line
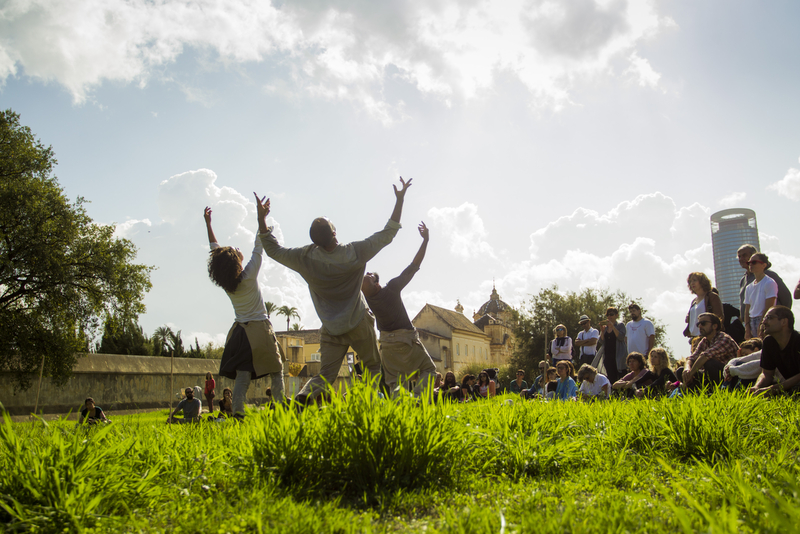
580, 143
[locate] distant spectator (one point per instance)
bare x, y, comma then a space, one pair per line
706, 300
466, 391
586, 340
615, 346
448, 388
518, 385
593, 385
744, 369
712, 353
92, 414
545, 385
661, 374
781, 352
638, 377
797, 291
640, 332
743, 254
437, 381
486, 387
210, 391
566, 389
226, 404
190, 406
561, 346
760, 295
543, 366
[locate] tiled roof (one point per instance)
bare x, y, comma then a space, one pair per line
453, 319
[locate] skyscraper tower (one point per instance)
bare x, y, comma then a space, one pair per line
730, 229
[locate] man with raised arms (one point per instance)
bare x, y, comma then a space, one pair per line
402, 352
334, 274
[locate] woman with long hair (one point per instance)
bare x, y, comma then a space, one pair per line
566, 389
251, 348
661, 374
706, 299
486, 386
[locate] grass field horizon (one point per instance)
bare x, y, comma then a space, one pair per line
720, 463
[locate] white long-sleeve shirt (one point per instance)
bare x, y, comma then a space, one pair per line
248, 305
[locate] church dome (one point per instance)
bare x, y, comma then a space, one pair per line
494, 305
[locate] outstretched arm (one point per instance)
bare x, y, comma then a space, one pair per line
400, 196
207, 216
423, 231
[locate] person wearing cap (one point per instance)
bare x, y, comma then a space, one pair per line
191, 409
586, 340
641, 332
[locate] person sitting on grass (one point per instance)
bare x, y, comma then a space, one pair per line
486, 387
545, 385
190, 407
467, 391
744, 370
566, 389
638, 377
660, 372
594, 386
781, 352
92, 414
518, 385
712, 353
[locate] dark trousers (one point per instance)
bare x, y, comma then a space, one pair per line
712, 374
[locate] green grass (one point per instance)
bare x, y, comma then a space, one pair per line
725, 463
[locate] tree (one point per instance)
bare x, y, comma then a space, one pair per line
161, 340
289, 312
61, 274
296, 327
123, 337
271, 308
548, 308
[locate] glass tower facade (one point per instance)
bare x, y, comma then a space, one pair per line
730, 229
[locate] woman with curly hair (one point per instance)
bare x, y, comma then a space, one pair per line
251, 348
706, 299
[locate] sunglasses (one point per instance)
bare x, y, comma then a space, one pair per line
701, 323
559, 329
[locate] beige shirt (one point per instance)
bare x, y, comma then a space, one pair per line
334, 278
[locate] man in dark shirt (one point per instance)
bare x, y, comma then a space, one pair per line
781, 351
402, 353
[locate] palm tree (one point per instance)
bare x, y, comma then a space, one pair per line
271, 307
162, 340
296, 327
289, 312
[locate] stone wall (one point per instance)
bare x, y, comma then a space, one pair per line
119, 382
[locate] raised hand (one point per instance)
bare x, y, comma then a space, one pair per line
207, 215
423, 230
402, 192
262, 206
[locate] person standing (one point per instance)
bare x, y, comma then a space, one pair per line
402, 353
586, 340
705, 300
781, 352
640, 332
615, 348
210, 391
760, 294
561, 346
251, 348
334, 274
743, 254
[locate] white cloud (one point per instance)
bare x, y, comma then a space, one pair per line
732, 200
177, 246
789, 187
463, 228
645, 247
344, 50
